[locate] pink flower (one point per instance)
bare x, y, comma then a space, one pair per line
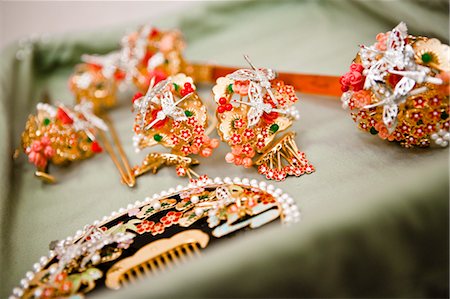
353, 78
229, 157
241, 87
362, 98
40, 152
214, 143
247, 162
382, 130
382, 39
206, 152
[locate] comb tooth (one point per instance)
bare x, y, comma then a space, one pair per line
153, 267
180, 252
131, 277
188, 250
173, 257
196, 250
166, 260
138, 271
160, 263
144, 266
124, 280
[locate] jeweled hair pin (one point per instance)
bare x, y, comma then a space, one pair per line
154, 235
171, 114
60, 135
253, 108
398, 89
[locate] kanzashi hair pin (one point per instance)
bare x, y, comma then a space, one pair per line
171, 114
253, 108
60, 135
155, 235
145, 55
398, 89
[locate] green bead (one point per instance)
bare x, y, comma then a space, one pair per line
273, 128
444, 115
230, 88
426, 57
176, 86
89, 140
157, 137
188, 113
373, 131
46, 121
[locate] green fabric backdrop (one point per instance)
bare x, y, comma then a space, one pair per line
375, 215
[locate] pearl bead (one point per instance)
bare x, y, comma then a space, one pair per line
171, 190
24, 283
245, 181
18, 292
198, 211
194, 199
434, 136
38, 292
129, 206
29, 275
121, 210
156, 205
254, 183
444, 143
227, 180
163, 193
179, 188
446, 136
43, 260
290, 201
137, 202
95, 259
262, 185
237, 180
439, 141
37, 267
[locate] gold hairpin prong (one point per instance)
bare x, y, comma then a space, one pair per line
125, 170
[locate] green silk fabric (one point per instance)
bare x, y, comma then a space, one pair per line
374, 215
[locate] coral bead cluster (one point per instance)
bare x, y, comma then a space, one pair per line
398, 89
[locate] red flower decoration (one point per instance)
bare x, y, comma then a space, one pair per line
236, 139
144, 226
171, 218
249, 133
158, 228
185, 134
40, 152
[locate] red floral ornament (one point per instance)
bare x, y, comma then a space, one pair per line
171, 218
144, 226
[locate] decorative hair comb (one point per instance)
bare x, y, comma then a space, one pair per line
61, 135
171, 114
253, 108
154, 235
398, 89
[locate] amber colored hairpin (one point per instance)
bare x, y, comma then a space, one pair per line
155, 235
